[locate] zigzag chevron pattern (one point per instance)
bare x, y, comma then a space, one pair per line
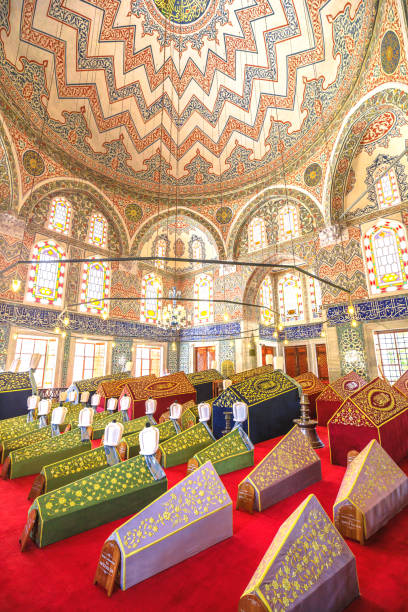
128, 79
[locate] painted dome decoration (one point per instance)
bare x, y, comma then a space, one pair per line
202, 95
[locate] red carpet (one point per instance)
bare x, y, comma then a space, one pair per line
59, 577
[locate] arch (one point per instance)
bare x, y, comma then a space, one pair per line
386, 97
386, 256
271, 199
45, 283
147, 227
85, 199
151, 307
11, 167
95, 286
203, 291
253, 284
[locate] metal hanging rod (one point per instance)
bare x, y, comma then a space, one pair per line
216, 262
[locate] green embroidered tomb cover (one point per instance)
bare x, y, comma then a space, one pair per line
69, 470
180, 448
30, 459
105, 496
166, 430
31, 437
227, 454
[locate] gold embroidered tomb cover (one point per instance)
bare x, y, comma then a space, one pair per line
113, 388
193, 515
173, 384
292, 455
205, 376
240, 376
310, 383
306, 551
375, 485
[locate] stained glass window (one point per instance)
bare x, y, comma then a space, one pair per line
95, 286
152, 289
46, 281
98, 230
203, 292
387, 190
161, 248
256, 234
290, 298
385, 246
315, 293
288, 222
267, 316
60, 215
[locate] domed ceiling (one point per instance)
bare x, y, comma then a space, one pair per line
195, 94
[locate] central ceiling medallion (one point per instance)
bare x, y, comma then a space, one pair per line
182, 11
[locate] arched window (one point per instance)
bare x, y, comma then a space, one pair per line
315, 293
60, 215
46, 281
290, 298
256, 234
152, 289
387, 190
98, 230
288, 222
266, 301
385, 246
161, 248
95, 287
203, 292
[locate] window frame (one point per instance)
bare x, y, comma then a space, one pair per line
395, 350
198, 319
48, 339
92, 343
140, 359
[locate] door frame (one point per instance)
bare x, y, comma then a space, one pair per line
195, 345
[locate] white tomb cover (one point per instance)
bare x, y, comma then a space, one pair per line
375, 485
32, 402
151, 405
124, 402
308, 566
195, 514
204, 412
58, 415
85, 417
113, 434
149, 440
175, 410
44, 407
112, 404
95, 399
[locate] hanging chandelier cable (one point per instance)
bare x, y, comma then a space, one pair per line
217, 262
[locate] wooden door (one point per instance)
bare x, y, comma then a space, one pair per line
268, 353
296, 360
204, 356
322, 369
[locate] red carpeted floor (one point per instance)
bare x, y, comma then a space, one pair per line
59, 577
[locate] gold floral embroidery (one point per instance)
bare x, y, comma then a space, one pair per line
227, 446
349, 414
186, 439
310, 383
292, 453
68, 440
197, 495
104, 485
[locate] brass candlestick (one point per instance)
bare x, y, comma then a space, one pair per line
307, 425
